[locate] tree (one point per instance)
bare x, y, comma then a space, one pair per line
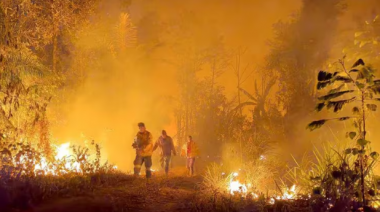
359, 87
299, 48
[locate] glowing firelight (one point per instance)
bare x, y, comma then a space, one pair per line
237, 187
63, 155
63, 151
290, 193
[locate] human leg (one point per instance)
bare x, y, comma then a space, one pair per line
167, 163
148, 165
137, 165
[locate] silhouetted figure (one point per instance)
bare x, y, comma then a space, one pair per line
144, 149
191, 151
166, 145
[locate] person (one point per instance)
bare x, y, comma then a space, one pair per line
191, 151
166, 145
144, 149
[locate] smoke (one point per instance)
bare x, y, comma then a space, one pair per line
120, 88
122, 70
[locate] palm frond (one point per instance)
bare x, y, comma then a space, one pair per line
248, 94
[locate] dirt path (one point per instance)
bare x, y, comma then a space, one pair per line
161, 193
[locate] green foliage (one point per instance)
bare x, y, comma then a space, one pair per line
333, 173
360, 90
352, 135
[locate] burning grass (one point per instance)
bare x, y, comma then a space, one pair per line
29, 175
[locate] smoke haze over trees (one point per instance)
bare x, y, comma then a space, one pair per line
237, 75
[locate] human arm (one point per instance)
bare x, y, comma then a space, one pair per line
156, 144
173, 148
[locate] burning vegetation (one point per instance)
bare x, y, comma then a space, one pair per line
227, 93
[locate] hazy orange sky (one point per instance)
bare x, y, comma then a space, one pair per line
125, 91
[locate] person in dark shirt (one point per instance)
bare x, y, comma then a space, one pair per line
166, 145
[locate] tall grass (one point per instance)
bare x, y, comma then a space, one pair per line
332, 173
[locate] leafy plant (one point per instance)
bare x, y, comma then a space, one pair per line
359, 88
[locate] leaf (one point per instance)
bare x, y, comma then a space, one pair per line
321, 85
362, 142
365, 73
316, 124
374, 155
343, 79
344, 118
351, 135
357, 63
371, 107
375, 89
336, 89
360, 85
320, 106
338, 105
355, 111
355, 151
248, 94
324, 76
334, 95
348, 151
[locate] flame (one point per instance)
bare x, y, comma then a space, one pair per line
237, 187
63, 151
63, 155
289, 193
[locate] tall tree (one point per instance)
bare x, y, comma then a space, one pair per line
299, 48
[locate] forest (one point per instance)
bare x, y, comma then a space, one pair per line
271, 105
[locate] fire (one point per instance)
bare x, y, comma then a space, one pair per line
63, 153
236, 186
290, 193
63, 158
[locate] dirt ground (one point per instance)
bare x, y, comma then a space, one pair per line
160, 193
